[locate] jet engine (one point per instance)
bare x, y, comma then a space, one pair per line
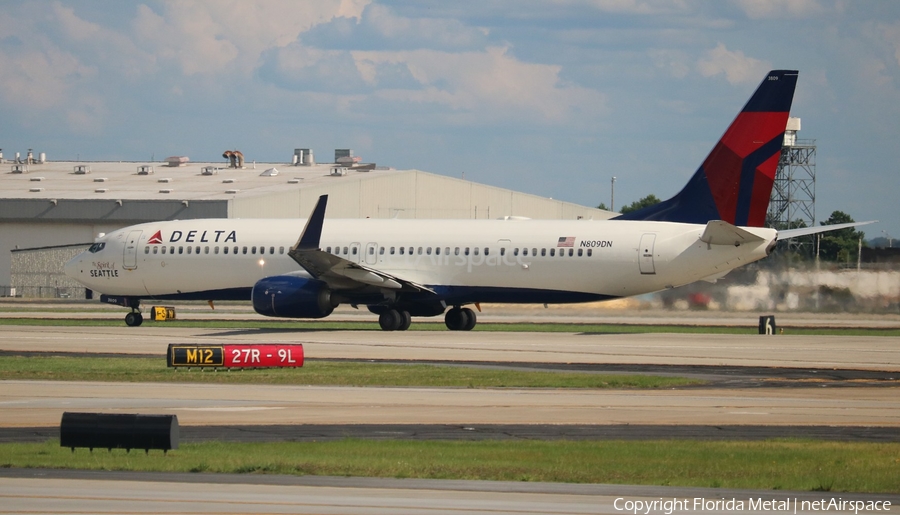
292, 297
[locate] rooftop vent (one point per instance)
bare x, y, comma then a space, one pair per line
209, 170
36, 179
293, 181
36, 190
339, 171
165, 179
81, 169
232, 192
19, 168
101, 190
235, 158
175, 161
227, 181
166, 191
145, 170
271, 172
101, 179
303, 157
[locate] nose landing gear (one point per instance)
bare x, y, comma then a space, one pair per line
134, 319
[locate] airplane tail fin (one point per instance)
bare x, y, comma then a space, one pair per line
734, 183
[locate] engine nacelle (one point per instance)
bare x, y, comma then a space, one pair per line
292, 297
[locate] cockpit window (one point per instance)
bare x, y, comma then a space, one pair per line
97, 247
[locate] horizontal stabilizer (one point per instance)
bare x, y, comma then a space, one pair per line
718, 232
806, 231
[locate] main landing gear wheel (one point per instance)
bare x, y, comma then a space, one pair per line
134, 319
407, 319
460, 319
394, 320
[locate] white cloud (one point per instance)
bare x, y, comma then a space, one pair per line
111, 49
60, 60
760, 9
674, 62
39, 80
88, 115
445, 32
302, 68
229, 36
380, 28
643, 7
891, 34
489, 83
349, 8
737, 67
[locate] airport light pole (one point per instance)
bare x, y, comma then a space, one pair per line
612, 195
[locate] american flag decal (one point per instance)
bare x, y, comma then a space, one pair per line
566, 241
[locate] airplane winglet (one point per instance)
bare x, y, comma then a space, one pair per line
312, 233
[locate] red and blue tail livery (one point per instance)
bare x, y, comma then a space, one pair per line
735, 181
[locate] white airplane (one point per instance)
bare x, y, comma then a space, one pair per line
404, 268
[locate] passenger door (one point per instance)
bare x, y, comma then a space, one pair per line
129, 259
645, 254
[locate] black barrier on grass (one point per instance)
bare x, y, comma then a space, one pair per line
118, 431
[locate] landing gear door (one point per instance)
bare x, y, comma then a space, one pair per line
645, 254
129, 259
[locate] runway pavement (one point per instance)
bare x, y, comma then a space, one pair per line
49, 491
751, 350
41, 403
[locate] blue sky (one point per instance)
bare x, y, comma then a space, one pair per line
547, 97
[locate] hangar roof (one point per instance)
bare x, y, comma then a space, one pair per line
193, 181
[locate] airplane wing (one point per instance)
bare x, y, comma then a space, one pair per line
337, 272
805, 231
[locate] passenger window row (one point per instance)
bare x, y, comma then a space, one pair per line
403, 251
437, 251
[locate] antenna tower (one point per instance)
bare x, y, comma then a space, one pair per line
793, 200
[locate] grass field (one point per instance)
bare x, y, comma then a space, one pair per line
336, 373
775, 465
300, 326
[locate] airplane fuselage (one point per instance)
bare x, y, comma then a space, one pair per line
527, 261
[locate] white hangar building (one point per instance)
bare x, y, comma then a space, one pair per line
50, 209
